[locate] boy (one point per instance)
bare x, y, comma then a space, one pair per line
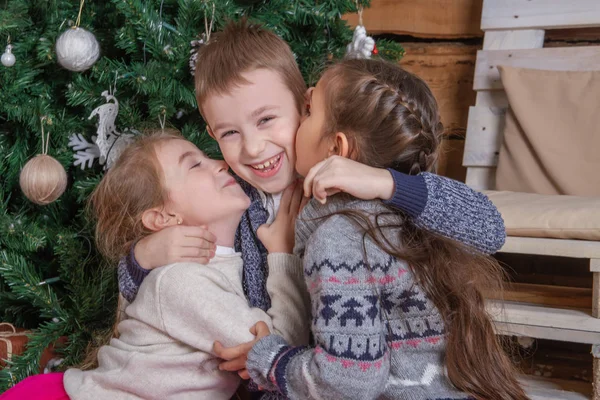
251, 95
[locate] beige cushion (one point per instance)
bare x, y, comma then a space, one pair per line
551, 141
548, 216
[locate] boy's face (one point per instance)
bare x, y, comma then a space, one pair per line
255, 125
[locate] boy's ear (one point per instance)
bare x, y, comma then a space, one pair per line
339, 146
156, 219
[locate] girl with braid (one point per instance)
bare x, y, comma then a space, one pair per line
397, 311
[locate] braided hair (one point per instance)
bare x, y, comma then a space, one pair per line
389, 114
391, 120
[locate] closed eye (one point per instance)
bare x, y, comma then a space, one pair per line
265, 120
228, 133
196, 165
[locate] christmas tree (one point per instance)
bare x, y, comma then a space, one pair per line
52, 280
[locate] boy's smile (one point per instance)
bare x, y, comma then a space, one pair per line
269, 167
255, 124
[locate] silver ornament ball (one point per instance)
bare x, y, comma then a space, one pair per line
77, 49
8, 58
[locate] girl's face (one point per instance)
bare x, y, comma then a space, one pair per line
311, 147
200, 190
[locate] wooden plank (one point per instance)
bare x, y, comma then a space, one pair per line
573, 35
554, 389
596, 294
595, 265
566, 324
546, 14
448, 69
481, 178
492, 98
487, 76
484, 133
424, 18
485, 178
451, 156
548, 295
552, 247
511, 40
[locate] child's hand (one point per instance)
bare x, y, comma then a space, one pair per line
237, 356
176, 244
338, 174
278, 237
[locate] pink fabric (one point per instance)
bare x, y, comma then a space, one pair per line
38, 387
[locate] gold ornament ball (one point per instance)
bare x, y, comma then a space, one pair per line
43, 179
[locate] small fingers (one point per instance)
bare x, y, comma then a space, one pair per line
244, 374
260, 329
308, 179
198, 232
233, 365
296, 199
230, 353
194, 252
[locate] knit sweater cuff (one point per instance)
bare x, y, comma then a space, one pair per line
136, 271
261, 358
410, 193
286, 264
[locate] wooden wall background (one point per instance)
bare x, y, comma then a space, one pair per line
441, 38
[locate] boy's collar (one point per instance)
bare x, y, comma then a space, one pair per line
224, 251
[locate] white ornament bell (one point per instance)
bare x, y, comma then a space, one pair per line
8, 58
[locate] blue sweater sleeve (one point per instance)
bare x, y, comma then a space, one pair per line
131, 275
449, 208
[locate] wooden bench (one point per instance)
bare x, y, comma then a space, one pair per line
514, 36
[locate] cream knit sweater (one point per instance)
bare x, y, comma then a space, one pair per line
164, 350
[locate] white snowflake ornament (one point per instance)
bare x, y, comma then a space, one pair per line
86, 152
362, 46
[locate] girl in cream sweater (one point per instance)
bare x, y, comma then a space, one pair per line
164, 348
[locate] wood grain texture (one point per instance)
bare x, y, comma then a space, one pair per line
528, 14
424, 18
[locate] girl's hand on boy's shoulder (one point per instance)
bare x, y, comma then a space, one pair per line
339, 174
235, 357
176, 244
279, 236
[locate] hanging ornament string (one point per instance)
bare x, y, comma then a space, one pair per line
45, 137
359, 9
208, 28
162, 120
79, 15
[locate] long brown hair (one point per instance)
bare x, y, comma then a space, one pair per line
132, 185
391, 119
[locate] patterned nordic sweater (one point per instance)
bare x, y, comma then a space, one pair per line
377, 335
445, 206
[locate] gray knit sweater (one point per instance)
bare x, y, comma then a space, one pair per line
377, 335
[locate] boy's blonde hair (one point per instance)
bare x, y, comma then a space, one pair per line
241, 47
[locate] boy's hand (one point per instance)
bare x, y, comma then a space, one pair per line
338, 174
278, 237
175, 244
237, 356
